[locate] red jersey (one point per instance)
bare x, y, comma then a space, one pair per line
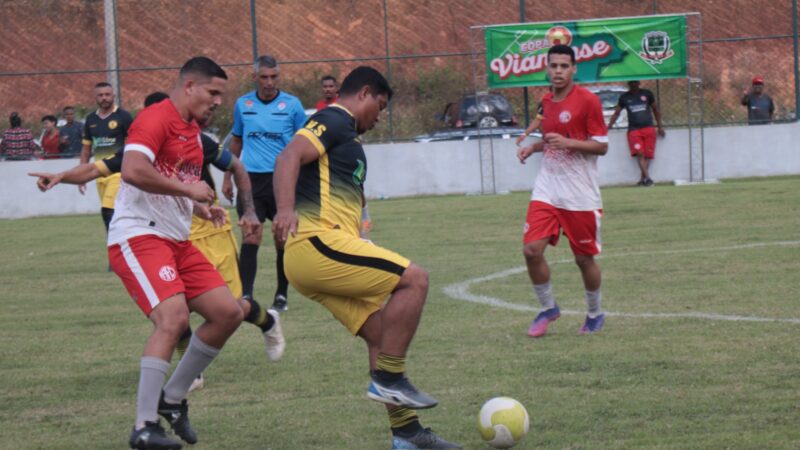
174, 147
324, 103
567, 179
51, 145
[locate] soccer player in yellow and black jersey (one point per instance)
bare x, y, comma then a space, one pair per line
321, 173
104, 133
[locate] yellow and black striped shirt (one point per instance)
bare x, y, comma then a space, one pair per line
330, 191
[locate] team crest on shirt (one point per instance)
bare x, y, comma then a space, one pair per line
564, 117
167, 273
248, 103
112, 124
281, 106
644, 98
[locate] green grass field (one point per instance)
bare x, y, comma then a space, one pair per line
656, 377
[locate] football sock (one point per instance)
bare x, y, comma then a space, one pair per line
248, 263
152, 373
593, 302
545, 294
404, 421
365, 213
283, 282
258, 316
390, 368
198, 356
107, 214
183, 342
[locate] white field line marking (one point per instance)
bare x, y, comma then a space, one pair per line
460, 291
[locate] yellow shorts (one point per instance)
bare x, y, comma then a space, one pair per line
351, 277
107, 188
220, 249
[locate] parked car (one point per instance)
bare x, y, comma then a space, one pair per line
609, 97
473, 116
483, 110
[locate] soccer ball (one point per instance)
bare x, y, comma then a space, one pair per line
503, 422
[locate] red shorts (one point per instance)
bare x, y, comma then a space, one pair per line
582, 228
154, 269
642, 142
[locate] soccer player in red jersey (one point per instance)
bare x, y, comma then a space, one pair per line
566, 195
149, 249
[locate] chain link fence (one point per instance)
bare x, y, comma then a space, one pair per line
57, 50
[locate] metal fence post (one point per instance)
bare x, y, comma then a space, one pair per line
112, 55
388, 63
253, 29
525, 89
796, 60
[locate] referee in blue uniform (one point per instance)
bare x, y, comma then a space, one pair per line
264, 121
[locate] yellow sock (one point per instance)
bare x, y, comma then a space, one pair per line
400, 417
391, 364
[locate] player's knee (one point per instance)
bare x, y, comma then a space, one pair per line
584, 261
253, 239
232, 315
417, 277
174, 326
532, 252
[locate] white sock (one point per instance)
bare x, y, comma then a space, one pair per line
593, 303
545, 294
197, 357
151, 377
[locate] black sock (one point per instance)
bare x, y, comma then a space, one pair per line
407, 430
107, 214
248, 264
388, 377
283, 283
258, 316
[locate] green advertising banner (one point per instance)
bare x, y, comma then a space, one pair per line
606, 50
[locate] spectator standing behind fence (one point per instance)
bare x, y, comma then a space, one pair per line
104, 133
17, 144
330, 92
760, 108
641, 107
71, 133
51, 140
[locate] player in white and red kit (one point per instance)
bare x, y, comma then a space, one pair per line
149, 249
566, 195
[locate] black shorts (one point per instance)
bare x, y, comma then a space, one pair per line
263, 196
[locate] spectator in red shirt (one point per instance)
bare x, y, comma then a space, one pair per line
330, 92
17, 143
51, 142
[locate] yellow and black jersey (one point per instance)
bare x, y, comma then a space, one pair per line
330, 190
106, 136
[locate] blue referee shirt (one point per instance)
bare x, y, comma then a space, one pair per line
266, 128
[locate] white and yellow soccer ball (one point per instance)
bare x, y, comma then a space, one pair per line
503, 422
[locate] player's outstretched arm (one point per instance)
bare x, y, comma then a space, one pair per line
244, 190
80, 174
138, 171
299, 152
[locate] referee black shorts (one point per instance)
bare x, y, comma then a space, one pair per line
263, 196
